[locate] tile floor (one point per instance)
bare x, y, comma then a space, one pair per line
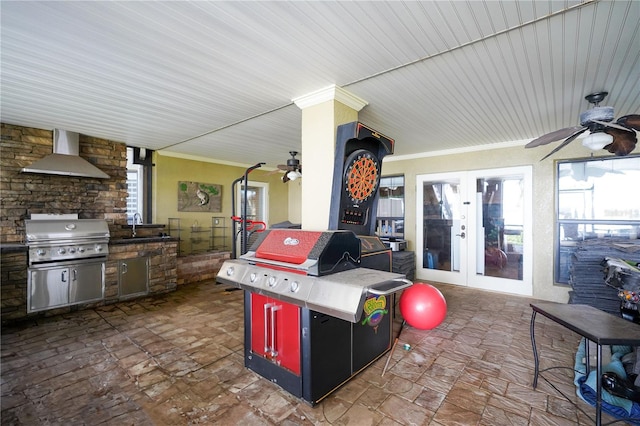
178, 360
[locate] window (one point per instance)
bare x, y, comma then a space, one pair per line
596, 198
390, 217
135, 187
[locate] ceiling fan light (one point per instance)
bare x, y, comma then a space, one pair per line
294, 174
597, 141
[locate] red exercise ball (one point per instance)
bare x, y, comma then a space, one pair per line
423, 306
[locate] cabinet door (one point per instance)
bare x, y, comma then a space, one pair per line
86, 282
275, 331
48, 288
134, 276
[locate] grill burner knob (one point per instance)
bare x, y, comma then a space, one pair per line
98, 248
230, 271
253, 277
41, 252
295, 286
62, 250
72, 250
80, 249
272, 281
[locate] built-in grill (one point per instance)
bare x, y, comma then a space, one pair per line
67, 258
313, 317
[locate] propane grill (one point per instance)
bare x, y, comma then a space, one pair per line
315, 270
313, 317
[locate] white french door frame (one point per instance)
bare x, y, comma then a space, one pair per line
471, 248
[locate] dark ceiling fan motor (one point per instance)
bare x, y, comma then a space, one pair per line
293, 168
293, 162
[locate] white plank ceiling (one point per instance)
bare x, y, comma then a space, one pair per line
216, 79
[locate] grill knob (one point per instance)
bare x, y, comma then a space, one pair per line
230, 271
272, 281
253, 277
62, 250
41, 252
295, 286
98, 248
72, 250
81, 249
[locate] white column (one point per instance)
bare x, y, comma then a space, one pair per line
322, 112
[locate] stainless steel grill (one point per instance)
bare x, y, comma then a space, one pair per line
50, 238
67, 260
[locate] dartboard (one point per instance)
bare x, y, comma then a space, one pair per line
362, 175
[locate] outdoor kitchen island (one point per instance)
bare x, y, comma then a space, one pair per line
313, 317
161, 254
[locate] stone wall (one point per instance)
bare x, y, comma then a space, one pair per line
200, 267
13, 279
25, 193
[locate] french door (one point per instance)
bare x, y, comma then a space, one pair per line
474, 229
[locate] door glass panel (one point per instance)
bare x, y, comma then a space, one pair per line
390, 217
500, 225
441, 201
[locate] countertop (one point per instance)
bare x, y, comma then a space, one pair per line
140, 240
13, 247
18, 247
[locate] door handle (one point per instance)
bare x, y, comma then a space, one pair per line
461, 235
124, 268
274, 308
63, 278
267, 307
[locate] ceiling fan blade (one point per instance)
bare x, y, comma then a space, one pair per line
565, 143
624, 141
283, 167
631, 121
556, 136
614, 125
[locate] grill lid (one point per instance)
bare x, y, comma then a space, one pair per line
314, 253
54, 230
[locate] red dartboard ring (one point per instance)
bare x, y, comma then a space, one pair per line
361, 176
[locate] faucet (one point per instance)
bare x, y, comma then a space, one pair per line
136, 217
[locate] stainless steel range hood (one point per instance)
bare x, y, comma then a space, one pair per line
65, 159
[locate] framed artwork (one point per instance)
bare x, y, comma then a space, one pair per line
199, 197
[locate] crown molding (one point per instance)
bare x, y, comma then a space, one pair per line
330, 93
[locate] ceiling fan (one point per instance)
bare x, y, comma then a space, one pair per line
293, 168
617, 137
